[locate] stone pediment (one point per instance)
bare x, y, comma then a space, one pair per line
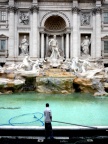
105, 37
3, 36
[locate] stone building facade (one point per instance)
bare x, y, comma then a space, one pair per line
70, 20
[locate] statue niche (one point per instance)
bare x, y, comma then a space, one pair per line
24, 46
85, 46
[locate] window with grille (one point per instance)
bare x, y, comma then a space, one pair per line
105, 46
2, 45
106, 18
2, 16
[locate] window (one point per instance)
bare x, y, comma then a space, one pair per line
2, 15
106, 18
2, 45
105, 46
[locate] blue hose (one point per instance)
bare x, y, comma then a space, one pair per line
22, 123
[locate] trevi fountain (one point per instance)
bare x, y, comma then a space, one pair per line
55, 74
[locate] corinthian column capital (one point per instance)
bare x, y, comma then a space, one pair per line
75, 10
34, 8
97, 10
12, 9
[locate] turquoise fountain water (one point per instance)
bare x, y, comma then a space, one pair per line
26, 109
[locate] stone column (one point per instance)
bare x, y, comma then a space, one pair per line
16, 45
67, 46
75, 11
62, 39
46, 44
34, 48
93, 43
98, 32
42, 45
71, 44
11, 44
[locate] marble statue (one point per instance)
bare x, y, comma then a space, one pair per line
31, 73
74, 65
55, 59
84, 65
85, 46
24, 46
28, 67
97, 84
54, 48
26, 63
90, 74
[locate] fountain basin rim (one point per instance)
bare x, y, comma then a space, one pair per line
54, 127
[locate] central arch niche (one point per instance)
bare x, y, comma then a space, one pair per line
55, 23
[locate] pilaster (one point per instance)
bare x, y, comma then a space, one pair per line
98, 31
93, 45
11, 47
34, 10
75, 11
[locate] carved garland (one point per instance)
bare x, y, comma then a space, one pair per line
49, 14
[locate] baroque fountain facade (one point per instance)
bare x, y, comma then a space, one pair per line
54, 46
55, 74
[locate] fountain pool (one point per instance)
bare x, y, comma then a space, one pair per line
26, 109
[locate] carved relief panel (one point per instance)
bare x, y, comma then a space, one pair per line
85, 19
24, 18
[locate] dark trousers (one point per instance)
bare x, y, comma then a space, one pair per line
48, 131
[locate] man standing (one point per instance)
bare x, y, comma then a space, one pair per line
48, 125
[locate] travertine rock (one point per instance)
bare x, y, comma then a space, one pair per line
54, 85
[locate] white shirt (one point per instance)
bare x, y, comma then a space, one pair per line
47, 115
